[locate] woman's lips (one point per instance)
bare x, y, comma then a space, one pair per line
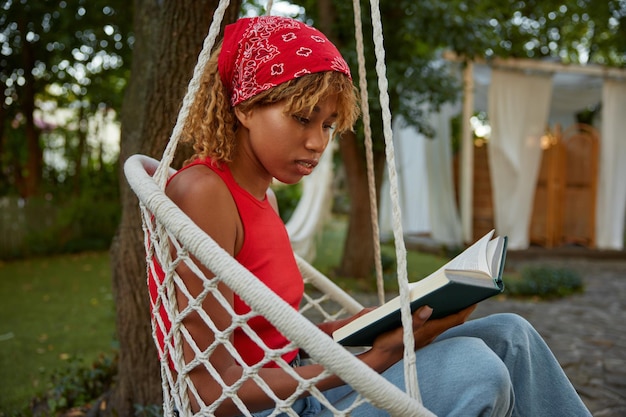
306, 166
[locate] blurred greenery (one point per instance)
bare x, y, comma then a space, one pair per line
287, 197
77, 385
62, 222
65, 65
545, 281
329, 252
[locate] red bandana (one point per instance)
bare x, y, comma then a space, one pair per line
259, 53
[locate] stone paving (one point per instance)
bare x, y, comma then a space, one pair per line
586, 332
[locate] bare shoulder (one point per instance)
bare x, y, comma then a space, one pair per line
196, 182
206, 199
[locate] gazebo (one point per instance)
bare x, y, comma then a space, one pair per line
526, 102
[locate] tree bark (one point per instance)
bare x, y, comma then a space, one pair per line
358, 253
80, 151
169, 37
34, 162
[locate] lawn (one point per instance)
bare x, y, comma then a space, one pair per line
56, 309
330, 250
53, 310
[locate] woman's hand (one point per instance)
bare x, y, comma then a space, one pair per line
388, 348
431, 329
330, 326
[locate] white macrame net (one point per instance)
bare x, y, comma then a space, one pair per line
172, 239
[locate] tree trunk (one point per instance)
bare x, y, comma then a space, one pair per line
80, 151
358, 253
3, 116
169, 36
34, 161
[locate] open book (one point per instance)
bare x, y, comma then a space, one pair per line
472, 276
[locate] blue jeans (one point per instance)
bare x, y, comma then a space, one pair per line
494, 366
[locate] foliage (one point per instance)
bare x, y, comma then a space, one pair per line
415, 33
288, 197
545, 282
61, 222
84, 223
81, 47
77, 385
58, 55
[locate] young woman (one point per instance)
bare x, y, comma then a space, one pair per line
273, 96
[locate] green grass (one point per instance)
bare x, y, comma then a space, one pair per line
56, 309
330, 251
53, 310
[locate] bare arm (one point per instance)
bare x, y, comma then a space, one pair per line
202, 195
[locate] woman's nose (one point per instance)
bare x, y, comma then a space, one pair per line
318, 139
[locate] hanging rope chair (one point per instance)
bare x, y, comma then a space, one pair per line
171, 239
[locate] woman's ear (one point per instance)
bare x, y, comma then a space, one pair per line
242, 116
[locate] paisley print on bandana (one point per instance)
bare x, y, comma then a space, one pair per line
259, 53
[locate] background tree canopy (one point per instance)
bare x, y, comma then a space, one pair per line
67, 54
64, 66
76, 54
416, 32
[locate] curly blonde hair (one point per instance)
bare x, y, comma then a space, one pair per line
211, 123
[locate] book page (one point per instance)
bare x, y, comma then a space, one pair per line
473, 258
494, 255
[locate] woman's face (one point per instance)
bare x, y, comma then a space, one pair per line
288, 146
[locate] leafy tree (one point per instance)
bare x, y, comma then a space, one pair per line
67, 52
169, 36
417, 31
412, 72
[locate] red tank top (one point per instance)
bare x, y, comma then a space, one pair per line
267, 253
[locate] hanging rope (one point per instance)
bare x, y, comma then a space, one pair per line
410, 370
164, 222
367, 130
161, 174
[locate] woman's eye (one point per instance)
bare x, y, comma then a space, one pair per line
301, 119
329, 126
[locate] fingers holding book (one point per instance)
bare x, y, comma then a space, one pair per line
426, 333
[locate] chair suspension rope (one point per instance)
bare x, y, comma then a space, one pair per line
410, 371
367, 130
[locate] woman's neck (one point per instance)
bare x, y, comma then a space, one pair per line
250, 176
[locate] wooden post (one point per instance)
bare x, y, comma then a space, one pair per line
467, 155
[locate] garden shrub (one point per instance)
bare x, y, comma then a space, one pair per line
545, 282
287, 197
77, 385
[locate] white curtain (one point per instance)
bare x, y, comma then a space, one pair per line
611, 202
445, 220
412, 183
426, 187
313, 208
518, 109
